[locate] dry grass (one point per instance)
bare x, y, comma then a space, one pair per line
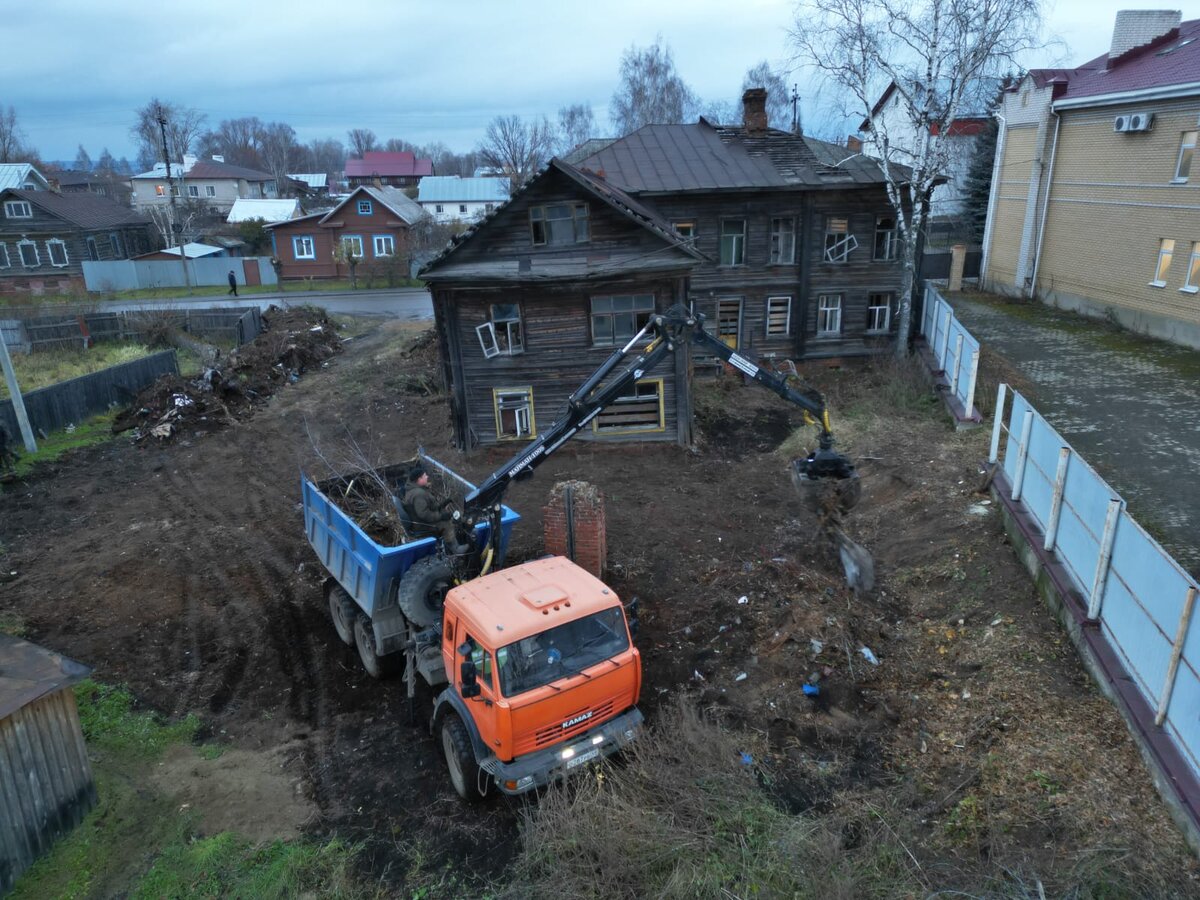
36, 370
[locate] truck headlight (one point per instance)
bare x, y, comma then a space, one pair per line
568, 753
598, 740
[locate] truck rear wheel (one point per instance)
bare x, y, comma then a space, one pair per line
422, 590
342, 611
469, 781
377, 666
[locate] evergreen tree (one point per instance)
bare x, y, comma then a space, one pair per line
979, 181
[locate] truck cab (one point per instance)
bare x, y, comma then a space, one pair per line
543, 677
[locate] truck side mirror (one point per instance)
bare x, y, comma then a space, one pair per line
468, 673
631, 611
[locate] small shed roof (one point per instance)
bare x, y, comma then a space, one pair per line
313, 179
193, 250
29, 672
268, 210
17, 175
453, 189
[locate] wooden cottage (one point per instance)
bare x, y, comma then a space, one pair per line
46, 785
786, 244
529, 303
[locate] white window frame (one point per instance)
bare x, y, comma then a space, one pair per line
365, 208
1162, 263
503, 334
829, 313
843, 243
438, 207
66, 258
787, 316
210, 190
525, 420
891, 239
377, 240
1184, 147
737, 245
872, 312
304, 247
193, 190
5, 262
354, 240
12, 207
20, 253
1191, 279
776, 256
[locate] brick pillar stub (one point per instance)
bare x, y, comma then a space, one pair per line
590, 529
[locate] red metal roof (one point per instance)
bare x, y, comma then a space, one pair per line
388, 165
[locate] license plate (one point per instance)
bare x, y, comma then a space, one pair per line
582, 758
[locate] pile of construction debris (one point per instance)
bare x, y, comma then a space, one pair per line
293, 342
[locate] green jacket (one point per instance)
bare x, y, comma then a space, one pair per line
424, 507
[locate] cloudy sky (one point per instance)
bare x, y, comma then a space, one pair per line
415, 69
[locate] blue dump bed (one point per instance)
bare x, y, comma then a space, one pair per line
367, 569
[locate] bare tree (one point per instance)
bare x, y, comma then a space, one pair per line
362, 140
184, 127
83, 162
575, 125
239, 141
280, 152
326, 155
651, 91
934, 54
779, 100
517, 148
721, 112
12, 139
399, 145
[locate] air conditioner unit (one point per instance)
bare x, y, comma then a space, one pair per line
1121, 123
1140, 122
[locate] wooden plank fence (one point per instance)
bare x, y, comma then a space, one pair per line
33, 330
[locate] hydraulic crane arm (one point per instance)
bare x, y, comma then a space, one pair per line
667, 332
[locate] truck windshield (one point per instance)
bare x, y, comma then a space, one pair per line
565, 650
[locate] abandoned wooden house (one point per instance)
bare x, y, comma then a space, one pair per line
786, 244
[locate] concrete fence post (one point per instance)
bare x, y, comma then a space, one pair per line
1185, 621
1060, 482
971, 381
1022, 455
958, 344
1100, 579
945, 334
997, 423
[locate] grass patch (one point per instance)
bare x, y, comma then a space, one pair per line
137, 842
38, 370
94, 431
12, 625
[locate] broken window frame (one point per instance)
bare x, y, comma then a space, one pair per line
502, 334
829, 313
546, 230
839, 242
887, 239
518, 400
783, 237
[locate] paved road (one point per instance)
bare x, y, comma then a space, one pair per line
1133, 412
401, 303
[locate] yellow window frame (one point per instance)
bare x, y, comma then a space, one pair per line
640, 429
527, 389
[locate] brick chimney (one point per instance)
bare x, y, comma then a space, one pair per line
854, 144
1136, 27
754, 110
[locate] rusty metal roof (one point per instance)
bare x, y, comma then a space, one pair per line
29, 672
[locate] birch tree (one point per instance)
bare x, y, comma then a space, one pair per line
651, 91
934, 54
516, 147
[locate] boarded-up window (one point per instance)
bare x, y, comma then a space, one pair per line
729, 321
779, 315
514, 413
829, 315
617, 319
639, 409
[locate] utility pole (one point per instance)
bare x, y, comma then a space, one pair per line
795, 109
17, 401
176, 228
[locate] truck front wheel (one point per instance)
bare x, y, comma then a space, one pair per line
377, 666
470, 782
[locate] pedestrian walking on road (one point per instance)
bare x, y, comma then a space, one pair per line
232, 283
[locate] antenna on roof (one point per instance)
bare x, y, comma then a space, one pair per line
795, 109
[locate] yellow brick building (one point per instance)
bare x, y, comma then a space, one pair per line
1095, 201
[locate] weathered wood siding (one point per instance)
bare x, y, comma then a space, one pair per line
559, 356
46, 785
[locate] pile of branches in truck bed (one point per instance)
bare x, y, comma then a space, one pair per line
367, 498
293, 342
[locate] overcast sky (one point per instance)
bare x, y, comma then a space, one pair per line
414, 69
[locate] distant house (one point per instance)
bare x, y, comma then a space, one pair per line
1095, 203
387, 169
212, 182
448, 197
46, 236
106, 184
268, 210
192, 251
373, 223
22, 176
312, 184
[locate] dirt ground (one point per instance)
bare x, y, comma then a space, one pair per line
182, 571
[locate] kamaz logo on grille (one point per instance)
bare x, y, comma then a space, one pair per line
575, 721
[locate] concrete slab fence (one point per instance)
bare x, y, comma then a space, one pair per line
954, 352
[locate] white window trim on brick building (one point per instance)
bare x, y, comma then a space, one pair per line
1191, 280
1187, 150
1162, 265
